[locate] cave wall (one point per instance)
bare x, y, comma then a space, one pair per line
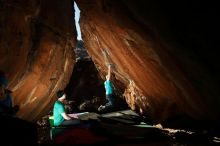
163, 53
36, 51
153, 46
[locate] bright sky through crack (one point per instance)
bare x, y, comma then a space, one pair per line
77, 16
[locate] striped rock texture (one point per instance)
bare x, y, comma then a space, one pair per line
163, 54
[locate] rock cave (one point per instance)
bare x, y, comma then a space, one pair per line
164, 55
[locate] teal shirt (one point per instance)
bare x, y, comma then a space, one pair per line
58, 109
108, 87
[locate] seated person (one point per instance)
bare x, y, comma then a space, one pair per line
59, 114
5, 99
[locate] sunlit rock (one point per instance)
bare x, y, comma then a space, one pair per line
36, 51
152, 46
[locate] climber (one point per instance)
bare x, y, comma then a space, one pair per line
108, 91
59, 114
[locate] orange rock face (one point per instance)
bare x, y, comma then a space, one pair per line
36, 52
163, 59
153, 79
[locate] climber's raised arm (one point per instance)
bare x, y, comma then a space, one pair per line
108, 77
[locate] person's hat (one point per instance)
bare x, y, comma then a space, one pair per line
3, 79
60, 93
